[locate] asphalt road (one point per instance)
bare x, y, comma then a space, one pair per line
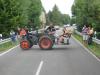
62, 60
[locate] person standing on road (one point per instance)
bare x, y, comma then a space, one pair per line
13, 36
18, 34
51, 29
85, 30
90, 34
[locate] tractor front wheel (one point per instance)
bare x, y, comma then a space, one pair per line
25, 44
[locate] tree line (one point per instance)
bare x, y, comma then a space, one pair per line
56, 17
86, 12
19, 13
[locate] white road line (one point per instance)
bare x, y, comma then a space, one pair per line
86, 49
39, 68
8, 50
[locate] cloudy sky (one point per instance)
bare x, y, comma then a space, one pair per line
63, 5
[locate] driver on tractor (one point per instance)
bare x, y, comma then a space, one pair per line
23, 33
51, 30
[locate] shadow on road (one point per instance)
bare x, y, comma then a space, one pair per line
55, 48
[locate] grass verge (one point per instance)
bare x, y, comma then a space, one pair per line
8, 45
94, 48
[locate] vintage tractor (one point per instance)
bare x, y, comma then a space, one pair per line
44, 40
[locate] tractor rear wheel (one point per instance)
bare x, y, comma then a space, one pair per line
45, 43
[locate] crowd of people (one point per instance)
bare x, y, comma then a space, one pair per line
87, 32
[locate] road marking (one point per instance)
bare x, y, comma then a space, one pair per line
39, 68
8, 50
86, 48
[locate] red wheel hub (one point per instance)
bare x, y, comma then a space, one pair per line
46, 43
25, 44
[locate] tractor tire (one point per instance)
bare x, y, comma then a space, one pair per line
31, 44
30, 39
25, 44
45, 43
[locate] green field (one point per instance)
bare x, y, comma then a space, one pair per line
8, 45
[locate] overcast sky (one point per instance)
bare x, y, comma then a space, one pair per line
63, 5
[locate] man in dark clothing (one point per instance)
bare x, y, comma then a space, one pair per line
51, 29
90, 34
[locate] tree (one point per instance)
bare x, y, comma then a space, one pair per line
72, 20
56, 16
65, 19
10, 15
19, 13
48, 17
87, 12
34, 11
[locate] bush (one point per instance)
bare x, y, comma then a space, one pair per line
79, 28
98, 35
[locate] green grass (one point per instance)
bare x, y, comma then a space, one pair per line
94, 48
8, 45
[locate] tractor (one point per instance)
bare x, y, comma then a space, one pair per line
44, 39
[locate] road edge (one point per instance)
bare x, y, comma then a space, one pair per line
86, 49
1, 54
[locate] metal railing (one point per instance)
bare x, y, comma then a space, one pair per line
5, 41
94, 39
